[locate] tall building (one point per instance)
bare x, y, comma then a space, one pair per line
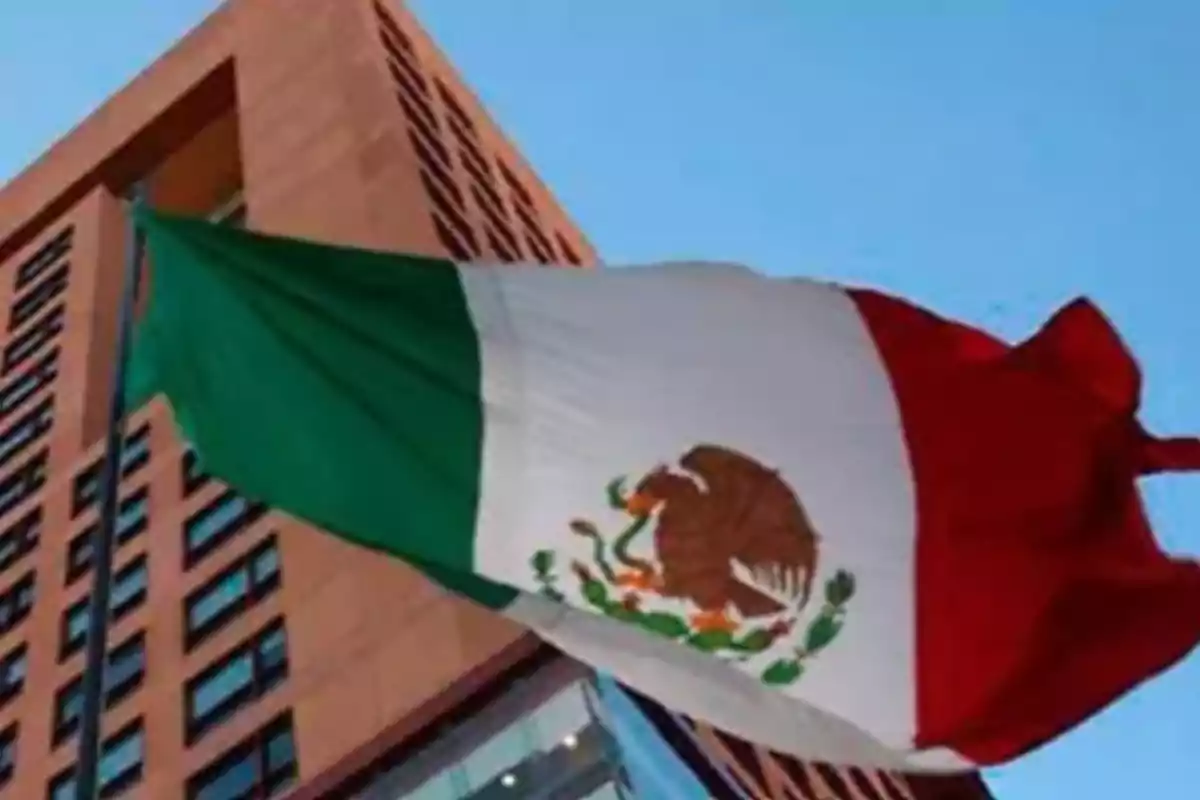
251, 657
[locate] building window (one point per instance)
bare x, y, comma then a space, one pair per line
129, 587
122, 758
22, 483
446, 208
259, 767
541, 735
515, 185
457, 112
389, 27
457, 250
20, 538
132, 519
16, 602
215, 523
8, 753
236, 679
135, 453
37, 298
44, 258
29, 383
243, 584
124, 673
32, 426
13, 669
568, 252
23, 347
193, 476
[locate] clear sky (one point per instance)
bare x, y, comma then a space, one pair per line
991, 159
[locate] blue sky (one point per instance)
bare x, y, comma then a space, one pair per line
991, 159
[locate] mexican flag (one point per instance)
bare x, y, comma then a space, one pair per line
821, 519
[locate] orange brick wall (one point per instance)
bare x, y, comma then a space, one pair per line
323, 152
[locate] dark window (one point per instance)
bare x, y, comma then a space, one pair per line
124, 673
456, 110
20, 538
23, 347
450, 241
479, 166
193, 476
16, 602
568, 252
538, 252
44, 258
414, 82
37, 298
135, 454
121, 765
494, 216
514, 183
236, 679
416, 108
13, 669
129, 588
532, 228
216, 523
436, 168
32, 426
132, 519
28, 383
238, 587
22, 483
256, 768
448, 211
433, 154
502, 252
390, 28
8, 753
485, 193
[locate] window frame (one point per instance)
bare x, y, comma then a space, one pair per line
256, 746
29, 304
263, 680
253, 512
62, 729
257, 590
9, 688
85, 488
114, 784
12, 594
83, 540
67, 646
26, 480
26, 532
192, 477
29, 342
39, 420
8, 743
45, 257
38, 377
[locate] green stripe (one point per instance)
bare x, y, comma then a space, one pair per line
339, 385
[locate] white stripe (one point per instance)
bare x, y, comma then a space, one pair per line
689, 682
592, 375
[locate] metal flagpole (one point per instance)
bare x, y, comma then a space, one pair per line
87, 771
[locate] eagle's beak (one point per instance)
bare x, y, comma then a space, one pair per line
641, 504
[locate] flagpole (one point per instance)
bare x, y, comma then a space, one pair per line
87, 770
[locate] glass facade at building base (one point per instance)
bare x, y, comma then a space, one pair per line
562, 733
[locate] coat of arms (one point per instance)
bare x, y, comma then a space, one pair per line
728, 568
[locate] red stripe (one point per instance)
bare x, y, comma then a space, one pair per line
1041, 594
